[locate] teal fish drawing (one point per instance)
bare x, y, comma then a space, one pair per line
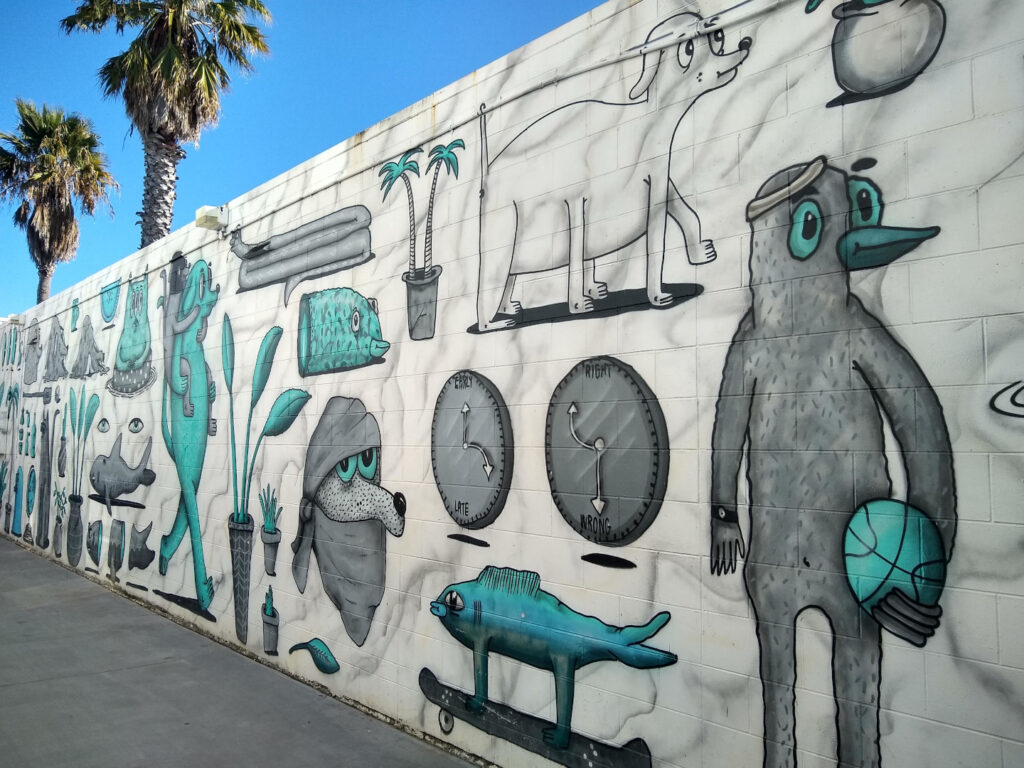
505, 611
338, 330
322, 656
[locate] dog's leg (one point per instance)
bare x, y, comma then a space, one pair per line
508, 305
698, 250
579, 300
657, 218
494, 277
595, 288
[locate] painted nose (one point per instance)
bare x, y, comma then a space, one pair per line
438, 609
745, 43
400, 504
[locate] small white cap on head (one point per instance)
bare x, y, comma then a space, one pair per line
768, 199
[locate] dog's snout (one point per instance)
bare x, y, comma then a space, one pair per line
745, 44
400, 504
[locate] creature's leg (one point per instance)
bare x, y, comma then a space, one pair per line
494, 273
508, 306
655, 241
856, 678
565, 686
698, 250
595, 288
778, 675
204, 584
476, 704
169, 543
579, 301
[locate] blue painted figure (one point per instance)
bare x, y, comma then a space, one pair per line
506, 611
186, 430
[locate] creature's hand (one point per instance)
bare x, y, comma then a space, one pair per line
726, 544
211, 430
905, 617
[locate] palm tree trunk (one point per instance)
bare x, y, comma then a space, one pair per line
428, 237
412, 226
45, 276
159, 186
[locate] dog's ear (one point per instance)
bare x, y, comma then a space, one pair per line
648, 71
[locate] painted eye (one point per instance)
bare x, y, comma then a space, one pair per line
346, 469
368, 463
718, 41
103, 426
866, 203
685, 54
805, 231
356, 321
135, 425
453, 601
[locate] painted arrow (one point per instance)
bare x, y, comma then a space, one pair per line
598, 448
466, 445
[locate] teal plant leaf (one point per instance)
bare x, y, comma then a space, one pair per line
284, 412
227, 353
74, 414
94, 405
81, 414
322, 656
264, 362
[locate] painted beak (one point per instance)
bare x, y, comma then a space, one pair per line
869, 247
438, 609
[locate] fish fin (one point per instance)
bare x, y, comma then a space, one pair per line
116, 450
510, 581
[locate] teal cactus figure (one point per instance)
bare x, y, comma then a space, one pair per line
186, 413
271, 510
505, 611
268, 603
283, 412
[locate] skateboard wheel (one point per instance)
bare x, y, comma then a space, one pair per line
446, 721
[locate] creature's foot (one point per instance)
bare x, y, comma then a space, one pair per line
211, 428
705, 254
597, 290
496, 325
580, 306
476, 704
558, 737
512, 308
204, 594
659, 298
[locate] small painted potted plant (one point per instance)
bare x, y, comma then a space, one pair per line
271, 620
60, 501
82, 415
270, 533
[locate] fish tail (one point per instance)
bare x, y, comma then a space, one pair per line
630, 650
633, 635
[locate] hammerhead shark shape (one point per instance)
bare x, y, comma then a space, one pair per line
112, 477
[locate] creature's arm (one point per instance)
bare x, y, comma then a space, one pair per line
912, 408
164, 426
732, 416
180, 326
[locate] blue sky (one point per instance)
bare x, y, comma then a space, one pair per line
335, 68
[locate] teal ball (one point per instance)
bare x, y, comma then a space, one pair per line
892, 545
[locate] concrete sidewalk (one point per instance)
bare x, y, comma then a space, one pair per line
89, 678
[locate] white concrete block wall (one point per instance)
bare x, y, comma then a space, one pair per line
946, 153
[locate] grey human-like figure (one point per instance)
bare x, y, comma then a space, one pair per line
808, 379
174, 287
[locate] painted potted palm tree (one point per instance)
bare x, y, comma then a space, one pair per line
283, 412
271, 620
421, 283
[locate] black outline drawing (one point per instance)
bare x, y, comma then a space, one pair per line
1015, 401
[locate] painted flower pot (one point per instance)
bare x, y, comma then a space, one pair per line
270, 626
421, 289
58, 538
240, 540
880, 47
75, 529
270, 542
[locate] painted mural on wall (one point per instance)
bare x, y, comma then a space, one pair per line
56, 353
89, 358
808, 377
345, 514
505, 611
112, 477
133, 368
520, 227
336, 242
881, 46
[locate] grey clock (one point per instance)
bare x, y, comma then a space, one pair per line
607, 453
471, 449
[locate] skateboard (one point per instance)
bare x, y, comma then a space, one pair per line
527, 731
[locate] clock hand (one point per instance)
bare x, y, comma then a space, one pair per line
598, 447
488, 467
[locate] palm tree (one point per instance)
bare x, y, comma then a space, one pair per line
50, 162
171, 78
392, 172
439, 155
